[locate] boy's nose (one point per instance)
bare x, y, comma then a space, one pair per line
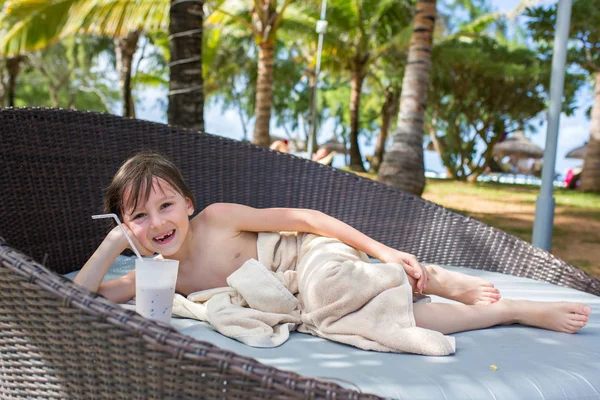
155, 221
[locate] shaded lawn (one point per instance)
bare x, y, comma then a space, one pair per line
511, 208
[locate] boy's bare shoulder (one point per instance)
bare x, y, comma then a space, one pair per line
218, 210
214, 217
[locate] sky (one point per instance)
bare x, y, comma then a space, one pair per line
573, 130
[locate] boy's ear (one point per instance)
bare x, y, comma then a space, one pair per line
190, 207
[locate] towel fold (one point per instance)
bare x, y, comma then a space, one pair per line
256, 309
262, 289
320, 286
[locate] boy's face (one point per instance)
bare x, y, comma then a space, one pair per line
161, 223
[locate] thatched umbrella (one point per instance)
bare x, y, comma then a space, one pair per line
578, 152
522, 153
518, 146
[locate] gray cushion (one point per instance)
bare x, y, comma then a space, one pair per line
508, 362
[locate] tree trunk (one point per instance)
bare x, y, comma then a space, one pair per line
13, 65
72, 98
358, 77
264, 93
125, 47
388, 110
312, 87
403, 165
3, 85
53, 96
590, 177
186, 85
439, 147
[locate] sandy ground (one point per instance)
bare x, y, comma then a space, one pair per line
576, 239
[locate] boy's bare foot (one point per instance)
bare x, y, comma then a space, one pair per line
559, 316
460, 287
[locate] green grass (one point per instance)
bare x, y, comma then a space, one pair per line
524, 233
585, 265
574, 202
577, 203
583, 208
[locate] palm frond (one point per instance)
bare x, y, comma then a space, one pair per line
224, 16
35, 24
117, 17
32, 24
400, 41
481, 23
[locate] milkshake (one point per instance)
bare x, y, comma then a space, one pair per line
155, 302
155, 281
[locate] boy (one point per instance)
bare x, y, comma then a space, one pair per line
154, 203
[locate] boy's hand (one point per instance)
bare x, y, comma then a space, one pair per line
143, 251
410, 264
118, 236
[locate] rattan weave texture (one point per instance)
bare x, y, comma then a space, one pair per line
58, 340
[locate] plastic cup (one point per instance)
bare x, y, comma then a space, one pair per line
155, 281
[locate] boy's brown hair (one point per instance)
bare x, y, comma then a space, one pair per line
137, 175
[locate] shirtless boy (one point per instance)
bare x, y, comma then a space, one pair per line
151, 198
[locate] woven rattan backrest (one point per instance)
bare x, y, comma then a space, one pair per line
56, 164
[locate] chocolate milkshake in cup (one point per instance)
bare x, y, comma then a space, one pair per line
155, 281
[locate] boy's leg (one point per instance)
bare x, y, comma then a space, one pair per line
453, 318
460, 287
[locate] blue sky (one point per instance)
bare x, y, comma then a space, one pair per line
573, 130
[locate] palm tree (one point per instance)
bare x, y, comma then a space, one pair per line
13, 66
265, 21
403, 165
12, 59
584, 35
122, 19
389, 109
590, 179
125, 47
587, 25
186, 98
359, 33
229, 72
262, 20
387, 79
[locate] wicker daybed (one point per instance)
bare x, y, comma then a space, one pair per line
58, 340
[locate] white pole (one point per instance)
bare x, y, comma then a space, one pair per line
321, 29
544, 206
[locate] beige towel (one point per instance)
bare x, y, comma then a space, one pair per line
347, 299
320, 286
256, 309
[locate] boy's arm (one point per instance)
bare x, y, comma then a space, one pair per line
119, 290
245, 218
93, 272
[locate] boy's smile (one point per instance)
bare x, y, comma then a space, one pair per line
161, 223
166, 238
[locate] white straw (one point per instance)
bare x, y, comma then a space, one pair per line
137, 253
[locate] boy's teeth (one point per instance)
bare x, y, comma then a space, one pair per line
164, 236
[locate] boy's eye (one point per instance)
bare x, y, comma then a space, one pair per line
140, 215
165, 205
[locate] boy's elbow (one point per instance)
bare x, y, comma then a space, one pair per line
312, 220
119, 290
